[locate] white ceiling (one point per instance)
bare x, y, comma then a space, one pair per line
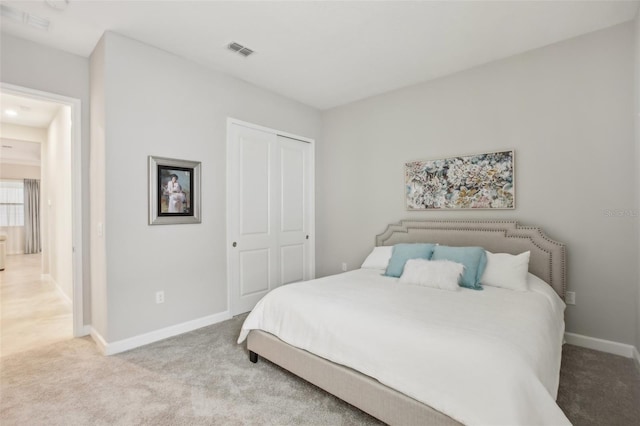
30, 112
327, 53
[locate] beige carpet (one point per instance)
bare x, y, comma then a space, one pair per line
203, 377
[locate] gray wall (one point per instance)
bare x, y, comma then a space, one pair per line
637, 120
566, 110
97, 186
159, 104
35, 66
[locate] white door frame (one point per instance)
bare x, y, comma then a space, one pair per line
76, 191
312, 199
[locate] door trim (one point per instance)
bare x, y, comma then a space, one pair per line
312, 199
76, 193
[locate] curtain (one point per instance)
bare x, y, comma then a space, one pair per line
11, 203
32, 216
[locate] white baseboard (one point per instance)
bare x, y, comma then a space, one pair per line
622, 349
636, 356
157, 335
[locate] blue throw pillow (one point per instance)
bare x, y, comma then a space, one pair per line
474, 260
403, 252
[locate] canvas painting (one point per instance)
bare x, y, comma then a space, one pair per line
483, 181
174, 186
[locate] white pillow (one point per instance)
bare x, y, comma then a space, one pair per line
378, 258
507, 270
443, 274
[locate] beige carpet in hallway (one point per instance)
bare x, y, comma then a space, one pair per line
33, 313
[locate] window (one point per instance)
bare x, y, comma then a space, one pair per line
11, 203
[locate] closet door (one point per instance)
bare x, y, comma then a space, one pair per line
268, 213
294, 210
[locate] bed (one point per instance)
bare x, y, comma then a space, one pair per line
391, 363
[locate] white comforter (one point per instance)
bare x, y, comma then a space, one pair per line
488, 357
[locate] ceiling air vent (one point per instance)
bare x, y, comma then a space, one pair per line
237, 47
24, 17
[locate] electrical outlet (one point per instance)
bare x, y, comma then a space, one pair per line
570, 298
344, 266
159, 297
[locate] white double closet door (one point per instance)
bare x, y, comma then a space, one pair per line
270, 220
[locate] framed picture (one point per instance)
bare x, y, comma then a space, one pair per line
174, 191
482, 181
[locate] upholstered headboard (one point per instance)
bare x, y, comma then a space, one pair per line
548, 257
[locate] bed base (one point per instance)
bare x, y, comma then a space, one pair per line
359, 390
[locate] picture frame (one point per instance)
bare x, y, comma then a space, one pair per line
478, 182
174, 191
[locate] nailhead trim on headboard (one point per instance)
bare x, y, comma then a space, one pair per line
555, 273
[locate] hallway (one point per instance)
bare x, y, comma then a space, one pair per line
33, 312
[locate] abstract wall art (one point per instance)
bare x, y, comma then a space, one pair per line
482, 181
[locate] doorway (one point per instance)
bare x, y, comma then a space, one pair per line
60, 193
270, 212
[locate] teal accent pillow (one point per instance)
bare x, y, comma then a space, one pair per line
474, 260
402, 253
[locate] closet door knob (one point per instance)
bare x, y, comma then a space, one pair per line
234, 244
